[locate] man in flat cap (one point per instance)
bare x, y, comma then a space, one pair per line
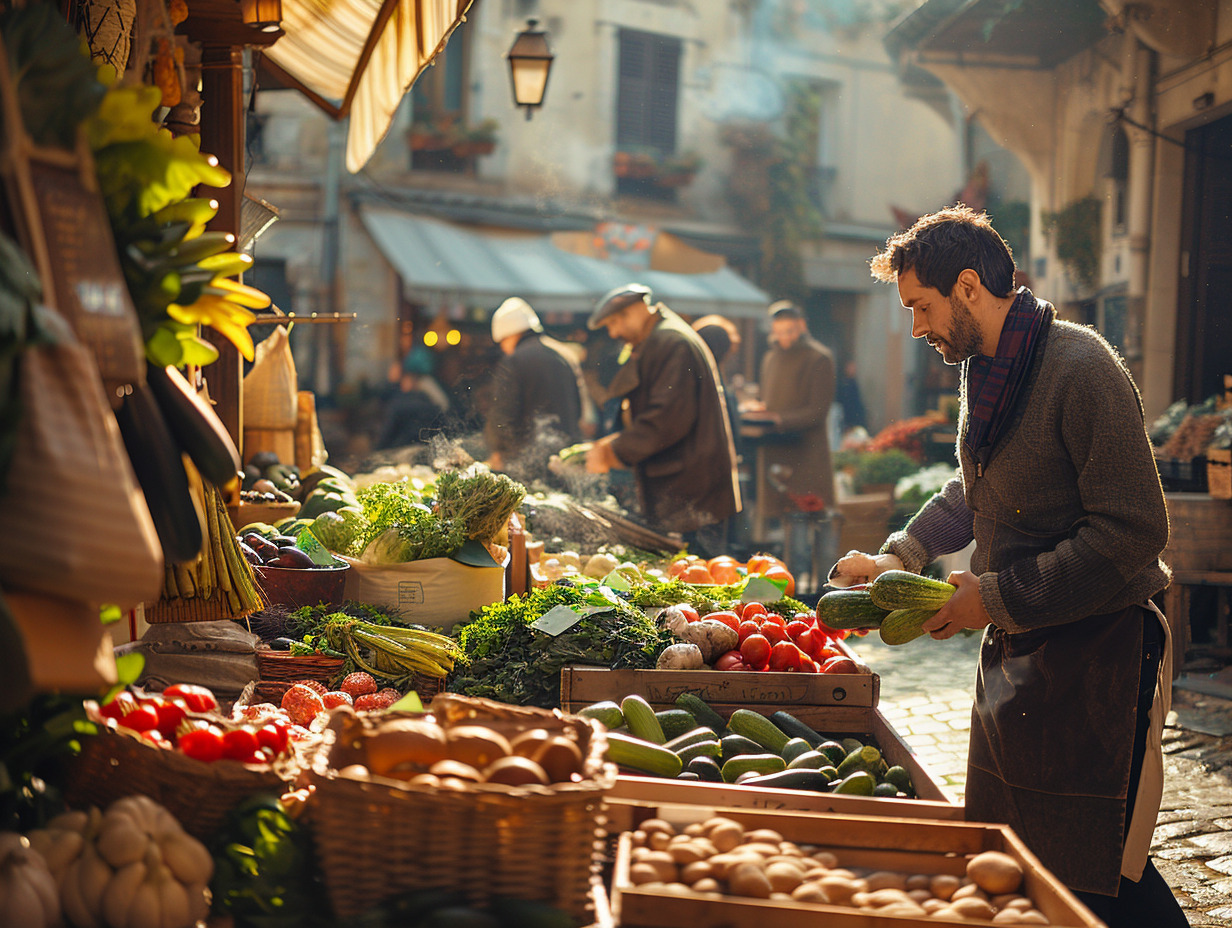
675, 432
537, 392
797, 390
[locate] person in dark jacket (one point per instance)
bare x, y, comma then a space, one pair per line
537, 392
675, 433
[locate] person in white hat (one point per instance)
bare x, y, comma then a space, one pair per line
537, 391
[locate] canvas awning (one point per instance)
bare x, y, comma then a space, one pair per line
442, 263
358, 58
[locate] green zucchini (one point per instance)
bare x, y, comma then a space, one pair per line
860, 783
642, 756
759, 763
794, 728
690, 737
688, 775
700, 749
736, 745
903, 625
756, 727
850, 744
606, 713
794, 748
849, 609
675, 722
866, 758
641, 719
833, 750
707, 768
812, 760
818, 780
701, 712
901, 589
888, 790
900, 778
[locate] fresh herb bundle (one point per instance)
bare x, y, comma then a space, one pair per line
478, 499
402, 527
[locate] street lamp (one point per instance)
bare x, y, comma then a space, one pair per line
264, 15
530, 60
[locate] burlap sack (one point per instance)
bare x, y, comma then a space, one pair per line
74, 519
271, 388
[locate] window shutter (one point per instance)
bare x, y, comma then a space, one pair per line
648, 81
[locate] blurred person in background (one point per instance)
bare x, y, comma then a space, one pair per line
797, 391
674, 431
722, 338
417, 408
850, 400
537, 393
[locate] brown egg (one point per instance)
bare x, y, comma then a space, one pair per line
560, 759
528, 742
456, 769
476, 745
515, 771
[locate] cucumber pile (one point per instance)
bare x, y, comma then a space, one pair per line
693, 742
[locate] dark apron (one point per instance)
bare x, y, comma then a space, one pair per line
1052, 735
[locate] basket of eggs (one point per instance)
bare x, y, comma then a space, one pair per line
490, 800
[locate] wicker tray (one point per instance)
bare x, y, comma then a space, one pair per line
111, 766
285, 667
379, 837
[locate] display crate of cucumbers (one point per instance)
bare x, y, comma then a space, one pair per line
736, 868
811, 758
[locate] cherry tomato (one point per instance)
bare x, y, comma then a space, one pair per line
197, 698
785, 656
139, 718
690, 614
752, 609
840, 665
273, 735
730, 660
239, 743
727, 617
154, 736
170, 713
748, 627
774, 633
755, 650
120, 705
203, 744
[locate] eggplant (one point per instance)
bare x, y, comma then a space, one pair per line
195, 425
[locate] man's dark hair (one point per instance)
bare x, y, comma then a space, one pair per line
942, 245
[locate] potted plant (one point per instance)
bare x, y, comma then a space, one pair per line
479, 139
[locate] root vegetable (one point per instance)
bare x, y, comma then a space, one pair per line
995, 872
681, 656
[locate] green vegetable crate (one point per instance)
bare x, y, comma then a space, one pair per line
864, 723
888, 845
582, 685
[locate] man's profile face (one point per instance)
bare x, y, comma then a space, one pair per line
627, 322
946, 323
785, 332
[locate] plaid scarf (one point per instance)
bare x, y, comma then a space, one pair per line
993, 384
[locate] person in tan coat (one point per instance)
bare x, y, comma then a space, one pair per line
797, 390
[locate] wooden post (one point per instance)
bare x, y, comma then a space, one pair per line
222, 135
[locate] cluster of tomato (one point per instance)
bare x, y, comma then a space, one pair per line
767, 641
173, 719
725, 569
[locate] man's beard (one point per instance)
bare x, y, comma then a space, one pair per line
964, 339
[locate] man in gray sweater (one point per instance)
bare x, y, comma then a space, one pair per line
1059, 490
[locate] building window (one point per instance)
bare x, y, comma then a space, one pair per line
647, 94
1114, 168
439, 109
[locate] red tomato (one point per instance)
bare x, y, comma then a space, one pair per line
204, 744
273, 735
725, 572
840, 665
785, 656
697, 573
808, 665
154, 736
828, 651
197, 698
730, 660
170, 714
690, 614
806, 617
140, 718
809, 641
755, 650
772, 618
120, 705
758, 563
774, 633
795, 627
752, 609
239, 744
778, 572
677, 567
728, 618
748, 627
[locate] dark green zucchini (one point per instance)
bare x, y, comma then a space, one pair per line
817, 780
794, 728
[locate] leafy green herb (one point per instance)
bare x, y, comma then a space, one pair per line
402, 527
479, 499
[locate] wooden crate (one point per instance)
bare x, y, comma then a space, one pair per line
1219, 472
582, 685
932, 802
903, 845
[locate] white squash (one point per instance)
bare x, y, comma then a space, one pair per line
28, 894
681, 656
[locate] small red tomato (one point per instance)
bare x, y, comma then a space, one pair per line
785, 656
755, 650
120, 705
772, 618
806, 617
775, 633
809, 642
747, 628
840, 665
727, 617
139, 718
154, 736
751, 609
170, 713
273, 735
731, 660
795, 627
197, 698
239, 744
690, 614
203, 744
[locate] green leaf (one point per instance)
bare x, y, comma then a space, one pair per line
408, 703
129, 667
109, 614
761, 590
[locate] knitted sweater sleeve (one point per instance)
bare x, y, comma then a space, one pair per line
943, 525
1125, 523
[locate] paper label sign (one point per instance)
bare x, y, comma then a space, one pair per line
761, 590
559, 619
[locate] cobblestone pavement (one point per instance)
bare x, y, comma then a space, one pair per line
926, 694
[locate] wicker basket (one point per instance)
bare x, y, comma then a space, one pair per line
285, 667
111, 766
380, 837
